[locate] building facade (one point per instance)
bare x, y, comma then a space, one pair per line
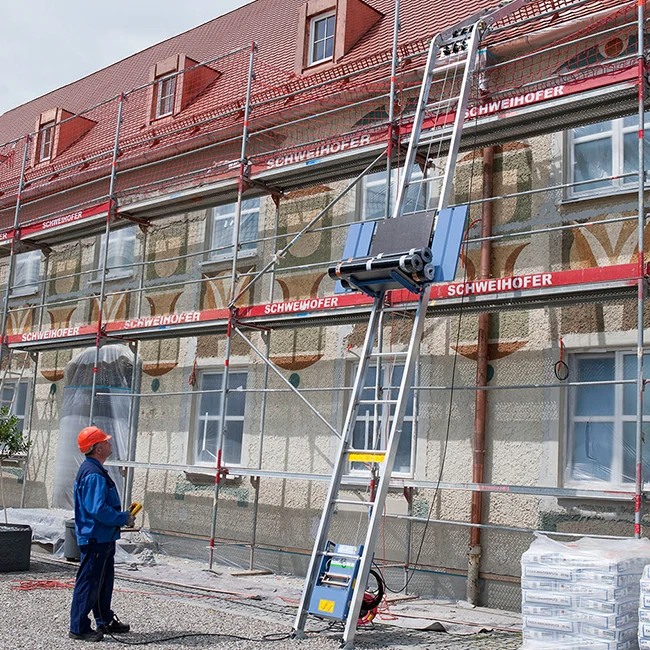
123, 274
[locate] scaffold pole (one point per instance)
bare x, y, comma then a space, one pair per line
12, 252
112, 212
225, 377
640, 386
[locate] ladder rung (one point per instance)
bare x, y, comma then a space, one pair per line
352, 502
334, 582
377, 401
348, 556
338, 576
426, 179
357, 456
443, 102
388, 354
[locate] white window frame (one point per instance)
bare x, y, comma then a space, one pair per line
617, 131
328, 37
200, 421
378, 180
19, 410
166, 95
617, 419
222, 214
117, 238
28, 259
368, 419
46, 141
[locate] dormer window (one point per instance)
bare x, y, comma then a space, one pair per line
56, 131
321, 38
328, 30
177, 82
165, 95
45, 141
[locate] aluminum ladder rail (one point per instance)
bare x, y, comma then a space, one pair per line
375, 508
11, 378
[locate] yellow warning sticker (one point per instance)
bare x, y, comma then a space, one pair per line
326, 606
367, 457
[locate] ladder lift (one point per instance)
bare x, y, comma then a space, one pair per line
337, 576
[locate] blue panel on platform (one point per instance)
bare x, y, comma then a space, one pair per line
447, 240
357, 244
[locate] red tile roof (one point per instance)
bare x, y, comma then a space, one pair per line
273, 24
215, 115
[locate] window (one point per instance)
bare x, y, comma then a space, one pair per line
601, 445
121, 252
45, 141
26, 271
165, 95
208, 420
223, 220
17, 400
599, 151
373, 199
321, 38
362, 438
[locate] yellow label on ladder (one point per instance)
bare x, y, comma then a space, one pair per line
367, 457
326, 606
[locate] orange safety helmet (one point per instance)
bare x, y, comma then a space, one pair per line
90, 436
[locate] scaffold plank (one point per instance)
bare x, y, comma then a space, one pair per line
515, 292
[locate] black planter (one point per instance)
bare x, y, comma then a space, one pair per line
15, 546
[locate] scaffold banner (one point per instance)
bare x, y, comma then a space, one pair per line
498, 107
622, 274
55, 223
64, 220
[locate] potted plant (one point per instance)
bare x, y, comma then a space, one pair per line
15, 539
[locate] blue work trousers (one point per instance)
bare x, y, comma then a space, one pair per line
93, 588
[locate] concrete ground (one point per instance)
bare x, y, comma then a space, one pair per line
178, 597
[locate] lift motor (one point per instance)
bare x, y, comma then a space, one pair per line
337, 576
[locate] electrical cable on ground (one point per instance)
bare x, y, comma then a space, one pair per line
272, 637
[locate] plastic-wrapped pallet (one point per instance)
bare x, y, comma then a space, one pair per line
644, 610
582, 595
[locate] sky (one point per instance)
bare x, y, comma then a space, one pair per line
46, 44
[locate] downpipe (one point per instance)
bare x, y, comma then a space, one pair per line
480, 405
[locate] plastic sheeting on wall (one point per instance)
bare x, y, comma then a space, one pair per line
111, 414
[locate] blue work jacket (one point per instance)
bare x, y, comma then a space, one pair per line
97, 511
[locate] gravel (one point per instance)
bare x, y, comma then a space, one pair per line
38, 619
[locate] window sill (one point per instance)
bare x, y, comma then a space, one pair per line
15, 460
21, 293
603, 487
111, 278
611, 193
223, 261
318, 66
207, 477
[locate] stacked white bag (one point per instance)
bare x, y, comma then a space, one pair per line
644, 611
582, 594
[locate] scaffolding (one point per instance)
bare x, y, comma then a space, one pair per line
272, 134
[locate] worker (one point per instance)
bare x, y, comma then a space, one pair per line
98, 520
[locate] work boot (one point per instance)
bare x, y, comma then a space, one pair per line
115, 627
91, 635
